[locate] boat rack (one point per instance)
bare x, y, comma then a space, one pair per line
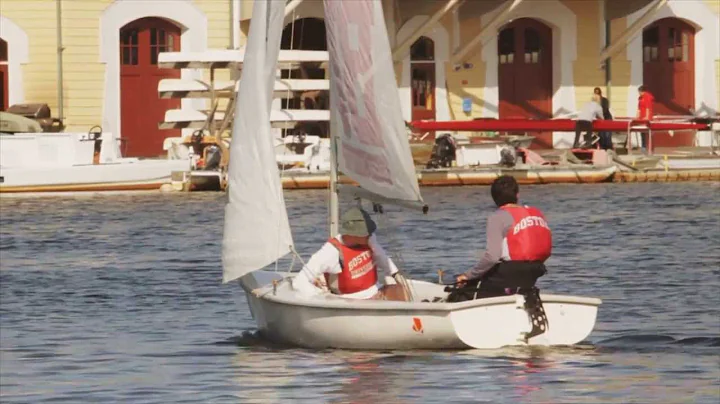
210, 124
637, 128
617, 125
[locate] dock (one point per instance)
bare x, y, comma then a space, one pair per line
667, 176
201, 181
664, 165
669, 165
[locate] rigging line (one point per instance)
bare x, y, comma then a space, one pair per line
396, 249
285, 103
282, 175
294, 257
298, 256
386, 223
292, 46
282, 166
289, 90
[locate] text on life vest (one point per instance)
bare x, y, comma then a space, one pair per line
529, 221
361, 265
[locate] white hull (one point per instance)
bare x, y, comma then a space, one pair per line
66, 162
130, 175
328, 321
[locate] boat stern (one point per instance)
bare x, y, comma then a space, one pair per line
570, 320
504, 321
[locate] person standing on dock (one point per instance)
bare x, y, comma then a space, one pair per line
589, 112
645, 110
605, 137
519, 241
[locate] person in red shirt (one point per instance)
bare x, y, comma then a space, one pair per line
519, 241
645, 109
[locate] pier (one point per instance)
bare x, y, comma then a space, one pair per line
667, 176
671, 170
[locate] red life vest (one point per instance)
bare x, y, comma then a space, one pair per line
530, 238
359, 271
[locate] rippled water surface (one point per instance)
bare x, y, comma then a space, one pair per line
119, 299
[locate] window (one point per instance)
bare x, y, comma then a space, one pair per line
685, 47
129, 47
672, 35
678, 45
532, 46
506, 46
160, 41
3, 51
651, 41
420, 88
422, 50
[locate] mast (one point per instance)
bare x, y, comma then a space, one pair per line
333, 188
334, 206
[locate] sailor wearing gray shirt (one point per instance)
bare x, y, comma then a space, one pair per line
589, 112
498, 224
519, 240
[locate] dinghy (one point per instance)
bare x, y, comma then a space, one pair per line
369, 145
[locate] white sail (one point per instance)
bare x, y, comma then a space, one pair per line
372, 143
257, 230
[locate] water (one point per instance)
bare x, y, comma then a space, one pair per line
118, 299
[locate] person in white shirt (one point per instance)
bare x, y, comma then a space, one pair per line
349, 263
590, 111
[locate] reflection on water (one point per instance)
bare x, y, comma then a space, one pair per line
510, 375
119, 299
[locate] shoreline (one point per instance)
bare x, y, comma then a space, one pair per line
437, 178
581, 167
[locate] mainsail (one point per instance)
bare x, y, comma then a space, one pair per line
257, 230
372, 143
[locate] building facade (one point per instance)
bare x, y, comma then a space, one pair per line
455, 60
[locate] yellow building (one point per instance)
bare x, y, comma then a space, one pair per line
456, 59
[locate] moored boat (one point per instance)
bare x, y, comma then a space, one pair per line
75, 162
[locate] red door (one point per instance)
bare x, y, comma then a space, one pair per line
422, 74
669, 74
4, 90
525, 74
141, 110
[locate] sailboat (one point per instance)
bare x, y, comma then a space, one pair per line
370, 146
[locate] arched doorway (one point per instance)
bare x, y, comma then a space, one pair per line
669, 74
4, 81
141, 110
422, 76
306, 34
525, 74
669, 65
